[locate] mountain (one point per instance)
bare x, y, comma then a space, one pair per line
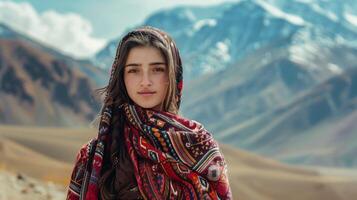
169, 20
263, 105
333, 9
97, 75
228, 32
341, 16
262, 82
318, 128
40, 86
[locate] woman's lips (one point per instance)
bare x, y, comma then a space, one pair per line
146, 93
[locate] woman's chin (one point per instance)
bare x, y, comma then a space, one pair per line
150, 106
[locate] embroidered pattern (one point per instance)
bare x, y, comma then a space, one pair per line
172, 157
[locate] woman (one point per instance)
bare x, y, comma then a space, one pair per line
144, 149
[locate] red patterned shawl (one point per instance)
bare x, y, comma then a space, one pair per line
173, 158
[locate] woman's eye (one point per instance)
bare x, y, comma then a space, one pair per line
159, 69
132, 70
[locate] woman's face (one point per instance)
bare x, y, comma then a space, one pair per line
146, 77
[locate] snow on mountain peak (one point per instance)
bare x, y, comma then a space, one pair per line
304, 1
304, 53
352, 19
187, 14
334, 68
217, 57
204, 22
280, 14
223, 50
332, 16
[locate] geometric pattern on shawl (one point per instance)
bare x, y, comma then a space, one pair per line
173, 158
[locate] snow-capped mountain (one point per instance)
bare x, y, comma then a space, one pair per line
216, 37
336, 10
169, 20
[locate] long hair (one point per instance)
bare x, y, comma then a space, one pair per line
116, 94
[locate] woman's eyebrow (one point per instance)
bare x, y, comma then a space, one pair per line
138, 64
133, 65
157, 63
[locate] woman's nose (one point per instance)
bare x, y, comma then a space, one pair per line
145, 80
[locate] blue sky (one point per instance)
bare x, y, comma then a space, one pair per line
80, 28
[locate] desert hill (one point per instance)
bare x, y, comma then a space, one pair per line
48, 154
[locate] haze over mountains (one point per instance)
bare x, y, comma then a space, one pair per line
318, 127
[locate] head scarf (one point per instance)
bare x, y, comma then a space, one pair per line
173, 157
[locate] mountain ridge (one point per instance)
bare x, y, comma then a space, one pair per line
43, 87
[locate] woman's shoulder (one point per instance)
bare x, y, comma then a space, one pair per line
84, 151
79, 168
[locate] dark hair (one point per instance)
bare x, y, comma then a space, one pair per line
116, 94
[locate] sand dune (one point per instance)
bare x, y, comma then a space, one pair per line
17, 158
57, 143
47, 154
